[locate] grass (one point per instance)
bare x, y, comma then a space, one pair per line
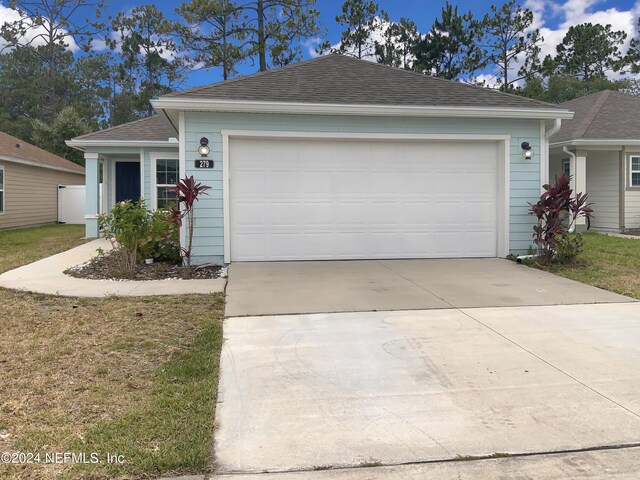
132, 377
26, 245
611, 263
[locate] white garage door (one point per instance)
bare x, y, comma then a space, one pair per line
293, 199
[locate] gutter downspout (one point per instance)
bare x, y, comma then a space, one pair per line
572, 168
557, 122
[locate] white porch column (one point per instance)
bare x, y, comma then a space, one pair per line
92, 194
580, 178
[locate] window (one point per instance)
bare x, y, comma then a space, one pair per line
566, 167
1, 189
166, 177
634, 173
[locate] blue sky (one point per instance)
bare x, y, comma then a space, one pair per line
552, 17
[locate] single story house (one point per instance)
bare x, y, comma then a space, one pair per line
336, 158
600, 148
29, 180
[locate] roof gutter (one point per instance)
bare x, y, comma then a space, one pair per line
241, 106
32, 163
82, 145
591, 142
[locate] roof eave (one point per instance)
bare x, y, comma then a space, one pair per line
85, 143
595, 141
32, 163
241, 106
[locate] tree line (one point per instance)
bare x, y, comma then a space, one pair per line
66, 70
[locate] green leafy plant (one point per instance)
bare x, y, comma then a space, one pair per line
162, 241
187, 192
128, 224
556, 210
568, 248
140, 233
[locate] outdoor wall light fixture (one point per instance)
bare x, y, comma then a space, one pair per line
203, 150
527, 151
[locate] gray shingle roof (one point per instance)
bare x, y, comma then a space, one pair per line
152, 129
605, 115
340, 79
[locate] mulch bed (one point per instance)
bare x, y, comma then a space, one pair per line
632, 232
107, 267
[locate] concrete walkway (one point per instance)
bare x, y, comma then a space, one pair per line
46, 276
620, 235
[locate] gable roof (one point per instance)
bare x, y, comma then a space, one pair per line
14, 149
605, 115
341, 79
149, 129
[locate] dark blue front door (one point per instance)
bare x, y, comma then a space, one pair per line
127, 181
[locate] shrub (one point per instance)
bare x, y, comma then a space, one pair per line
140, 233
163, 238
127, 223
568, 248
556, 210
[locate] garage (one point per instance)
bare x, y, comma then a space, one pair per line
316, 198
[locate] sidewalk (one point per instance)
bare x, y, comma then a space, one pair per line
620, 235
45, 276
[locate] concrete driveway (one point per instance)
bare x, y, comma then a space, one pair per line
466, 360
420, 389
350, 286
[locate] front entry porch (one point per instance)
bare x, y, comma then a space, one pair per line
127, 174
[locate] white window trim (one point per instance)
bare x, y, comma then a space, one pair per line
3, 190
566, 162
632, 171
154, 157
503, 169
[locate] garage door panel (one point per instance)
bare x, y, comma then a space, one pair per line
283, 214
326, 199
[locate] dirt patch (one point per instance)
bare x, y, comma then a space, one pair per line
635, 232
108, 267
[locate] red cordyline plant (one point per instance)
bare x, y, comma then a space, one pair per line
556, 211
187, 193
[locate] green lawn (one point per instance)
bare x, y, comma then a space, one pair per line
607, 262
26, 245
131, 377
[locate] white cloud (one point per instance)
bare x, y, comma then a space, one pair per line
311, 44
33, 35
574, 12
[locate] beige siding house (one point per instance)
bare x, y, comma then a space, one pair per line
29, 179
600, 148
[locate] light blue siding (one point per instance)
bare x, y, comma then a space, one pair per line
209, 235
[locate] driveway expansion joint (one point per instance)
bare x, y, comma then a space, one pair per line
457, 459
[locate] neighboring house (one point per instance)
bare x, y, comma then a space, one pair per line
29, 180
600, 148
336, 158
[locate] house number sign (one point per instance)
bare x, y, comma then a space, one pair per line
204, 164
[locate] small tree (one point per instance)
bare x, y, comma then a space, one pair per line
187, 193
127, 223
555, 211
